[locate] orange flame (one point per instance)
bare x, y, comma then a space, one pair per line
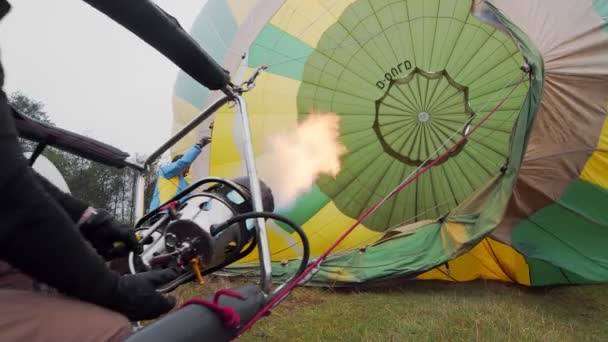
295, 160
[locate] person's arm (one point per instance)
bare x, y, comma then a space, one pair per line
38, 237
173, 169
72, 205
96, 225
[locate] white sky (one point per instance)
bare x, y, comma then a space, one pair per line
94, 76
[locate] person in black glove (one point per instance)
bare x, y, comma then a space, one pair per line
110, 238
104, 232
52, 238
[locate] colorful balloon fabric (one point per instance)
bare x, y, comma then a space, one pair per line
523, 199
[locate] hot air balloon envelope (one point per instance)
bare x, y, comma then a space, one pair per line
505, 100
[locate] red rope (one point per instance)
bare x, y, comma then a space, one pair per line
365, 215
227, 314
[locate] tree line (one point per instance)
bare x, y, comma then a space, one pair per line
101, 186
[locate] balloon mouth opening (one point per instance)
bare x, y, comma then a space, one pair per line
420, 112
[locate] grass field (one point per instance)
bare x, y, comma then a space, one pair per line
433, 311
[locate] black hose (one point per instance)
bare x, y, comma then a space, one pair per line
242, 217
264, 214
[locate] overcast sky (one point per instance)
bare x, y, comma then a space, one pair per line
93, 76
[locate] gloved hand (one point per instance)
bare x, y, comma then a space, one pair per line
204, 141
41, 239
102, 230
65, 261
136, 296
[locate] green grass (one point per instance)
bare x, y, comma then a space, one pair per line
433, 311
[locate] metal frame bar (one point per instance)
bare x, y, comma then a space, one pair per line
254, 184
37, 152
189, 127
230, 95
153, 229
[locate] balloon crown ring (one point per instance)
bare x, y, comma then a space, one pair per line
413, 112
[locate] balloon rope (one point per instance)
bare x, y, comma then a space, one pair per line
365, 215
370, 211
356, 245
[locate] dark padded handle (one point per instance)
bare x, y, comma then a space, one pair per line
160, 30
198, 323
71, 142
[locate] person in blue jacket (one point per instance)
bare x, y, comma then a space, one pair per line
173, 177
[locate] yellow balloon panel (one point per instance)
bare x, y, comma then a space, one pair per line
322, 230
312, 18
183, 113
276, 113
454, 235
268, 116
595, 170
328, 224
224, 151
489, 259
